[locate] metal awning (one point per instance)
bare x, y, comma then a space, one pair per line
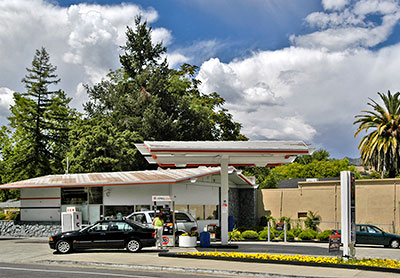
224, 154
209, 153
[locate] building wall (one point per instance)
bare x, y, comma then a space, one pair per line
377, 202
40, 204
141, 194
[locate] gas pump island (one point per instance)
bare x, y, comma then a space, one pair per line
223, 154
163, 204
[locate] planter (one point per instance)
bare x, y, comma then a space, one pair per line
187, 241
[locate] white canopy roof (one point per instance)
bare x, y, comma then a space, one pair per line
209, 153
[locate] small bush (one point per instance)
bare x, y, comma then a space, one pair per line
307, 234
250, 234
296, 231
324, 235
235, 235
263, 235
2, 216
289, 235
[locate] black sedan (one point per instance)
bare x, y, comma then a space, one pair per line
105, 234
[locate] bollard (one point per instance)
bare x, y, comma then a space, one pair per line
269, 231
285, 228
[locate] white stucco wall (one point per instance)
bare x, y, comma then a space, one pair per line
35, 205
141, 194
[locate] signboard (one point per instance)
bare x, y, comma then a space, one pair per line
280, 226
334, 242
161, 198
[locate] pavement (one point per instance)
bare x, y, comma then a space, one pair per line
37, 251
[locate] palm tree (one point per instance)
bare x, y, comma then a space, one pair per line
313, 220
380, 147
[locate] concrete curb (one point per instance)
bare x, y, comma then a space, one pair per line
175, 269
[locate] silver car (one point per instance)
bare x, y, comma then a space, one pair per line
185, 223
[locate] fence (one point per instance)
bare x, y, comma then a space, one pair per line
332, 225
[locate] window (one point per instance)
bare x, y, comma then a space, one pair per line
99, 227
81, 195
211, 212
113, 211
95, 195
142, 207
197, 211
301, 214
373, 230
73, 196
120, 226
182, 217
140, 217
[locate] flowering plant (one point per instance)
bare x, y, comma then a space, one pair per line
192, 234
386, 263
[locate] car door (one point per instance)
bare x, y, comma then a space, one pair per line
375, 236
116, 234
97, 235
362, 234
183, 222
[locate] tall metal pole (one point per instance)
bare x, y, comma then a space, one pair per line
224, 200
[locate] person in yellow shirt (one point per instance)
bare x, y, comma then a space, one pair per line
158, 224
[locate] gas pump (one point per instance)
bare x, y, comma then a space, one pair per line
169, 218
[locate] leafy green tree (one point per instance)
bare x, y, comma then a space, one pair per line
96, 145
158, 102
155, 102
315, 169
40, 120
380, 147
319, 155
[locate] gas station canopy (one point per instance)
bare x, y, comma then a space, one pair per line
222, 153
210, 153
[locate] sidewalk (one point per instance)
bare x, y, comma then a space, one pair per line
37, 251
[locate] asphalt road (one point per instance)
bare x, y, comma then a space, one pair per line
8, 270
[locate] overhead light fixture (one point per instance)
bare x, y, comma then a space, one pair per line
193, 180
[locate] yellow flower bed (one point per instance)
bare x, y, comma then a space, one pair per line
329, 260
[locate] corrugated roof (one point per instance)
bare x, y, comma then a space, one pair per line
121, 178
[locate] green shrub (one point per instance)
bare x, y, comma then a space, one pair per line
2, 216
324, 235
287, 220
263, 235
250, 234
289, 235
296, 231
235, 235
307, 234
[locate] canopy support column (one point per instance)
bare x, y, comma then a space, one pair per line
224, 200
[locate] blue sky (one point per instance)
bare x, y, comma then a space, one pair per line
288, 69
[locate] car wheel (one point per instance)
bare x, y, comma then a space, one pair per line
394, 243
133, 245
63, 247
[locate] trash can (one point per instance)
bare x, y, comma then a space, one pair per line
205, 239
231, 223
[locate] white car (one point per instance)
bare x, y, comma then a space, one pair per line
185, 223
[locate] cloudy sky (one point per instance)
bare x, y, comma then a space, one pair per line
288, 69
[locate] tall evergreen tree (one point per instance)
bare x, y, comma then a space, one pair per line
40, 120
157, 102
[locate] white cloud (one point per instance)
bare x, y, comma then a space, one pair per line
299, 93
6, 99
334, 4
350, 27
82, 40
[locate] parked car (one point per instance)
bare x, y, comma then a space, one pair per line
372, 235
185, 223
117, 234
